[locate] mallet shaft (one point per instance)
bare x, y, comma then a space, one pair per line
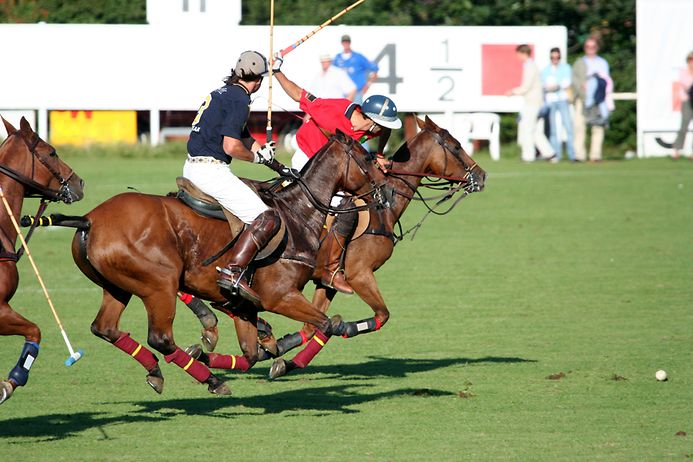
291, 47
36, 271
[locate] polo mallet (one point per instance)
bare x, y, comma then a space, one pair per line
291, 47
271, 65
74, 355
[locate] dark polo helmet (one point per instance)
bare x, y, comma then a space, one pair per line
251, 65
381, 110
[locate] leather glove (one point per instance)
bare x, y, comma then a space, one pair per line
265, 154
277, 62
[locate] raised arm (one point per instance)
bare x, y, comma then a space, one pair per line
291, 89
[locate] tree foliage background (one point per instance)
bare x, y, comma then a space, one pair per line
612, 20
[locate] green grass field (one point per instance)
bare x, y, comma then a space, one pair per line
581, 273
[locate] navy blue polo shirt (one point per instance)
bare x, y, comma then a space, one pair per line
223, 113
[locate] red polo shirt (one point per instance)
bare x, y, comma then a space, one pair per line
330, 114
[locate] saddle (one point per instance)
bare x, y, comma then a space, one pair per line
206, 206
362, 223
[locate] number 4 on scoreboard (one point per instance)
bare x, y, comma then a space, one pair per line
390, 51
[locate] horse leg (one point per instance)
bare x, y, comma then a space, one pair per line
246, 330
105, 326
209, 321
322, 298
317, 342
161, 309
13, 323
365, 285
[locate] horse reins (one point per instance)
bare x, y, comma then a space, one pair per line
464, 184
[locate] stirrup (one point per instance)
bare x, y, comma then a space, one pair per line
233, 281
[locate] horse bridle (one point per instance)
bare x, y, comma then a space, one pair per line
62, 193
468, 183
379, 199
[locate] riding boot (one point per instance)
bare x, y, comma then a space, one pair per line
335, 246
332, 273
252, 239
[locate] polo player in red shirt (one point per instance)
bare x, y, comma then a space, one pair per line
376, 117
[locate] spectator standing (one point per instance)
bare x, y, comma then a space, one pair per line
362, 71
332, 82
556, 80
531, 90
685, 93
584, 68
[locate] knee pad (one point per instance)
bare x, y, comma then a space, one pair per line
20, 373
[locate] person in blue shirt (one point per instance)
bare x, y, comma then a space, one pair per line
556, 78
361, 70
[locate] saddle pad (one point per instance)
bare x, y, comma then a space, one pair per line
361, 225
206, 205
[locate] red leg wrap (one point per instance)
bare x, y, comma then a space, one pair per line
219, 361
312, 348
185, 298
136, 350
195, 368
304, 337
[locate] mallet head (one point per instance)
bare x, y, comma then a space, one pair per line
74, 357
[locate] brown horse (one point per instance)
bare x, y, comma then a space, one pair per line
29, 167
152, 246
433, 153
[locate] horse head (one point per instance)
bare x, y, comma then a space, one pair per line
349, 167
50, 177
450, 159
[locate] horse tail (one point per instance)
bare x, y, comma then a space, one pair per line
57, 219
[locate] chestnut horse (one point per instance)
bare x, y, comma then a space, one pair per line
29, 167
152, 246
432, 153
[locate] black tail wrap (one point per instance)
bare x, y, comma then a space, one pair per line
57, 219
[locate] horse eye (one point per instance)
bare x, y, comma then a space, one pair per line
53, 154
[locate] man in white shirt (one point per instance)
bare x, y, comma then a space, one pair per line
531, 90
332, 82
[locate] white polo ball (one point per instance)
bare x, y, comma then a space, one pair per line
661, 375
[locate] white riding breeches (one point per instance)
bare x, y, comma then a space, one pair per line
213, 177
299, 160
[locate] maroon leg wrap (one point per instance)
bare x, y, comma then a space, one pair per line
195, 368
136, 350
219, 361
312, 348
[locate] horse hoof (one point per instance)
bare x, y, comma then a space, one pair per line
209, 338
6, 390
194, 351
221, 390
278, 369
155, 379
217, 386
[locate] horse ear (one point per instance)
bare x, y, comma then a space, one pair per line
420, 122
431, 124
25, 126
27, 132
8, 126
